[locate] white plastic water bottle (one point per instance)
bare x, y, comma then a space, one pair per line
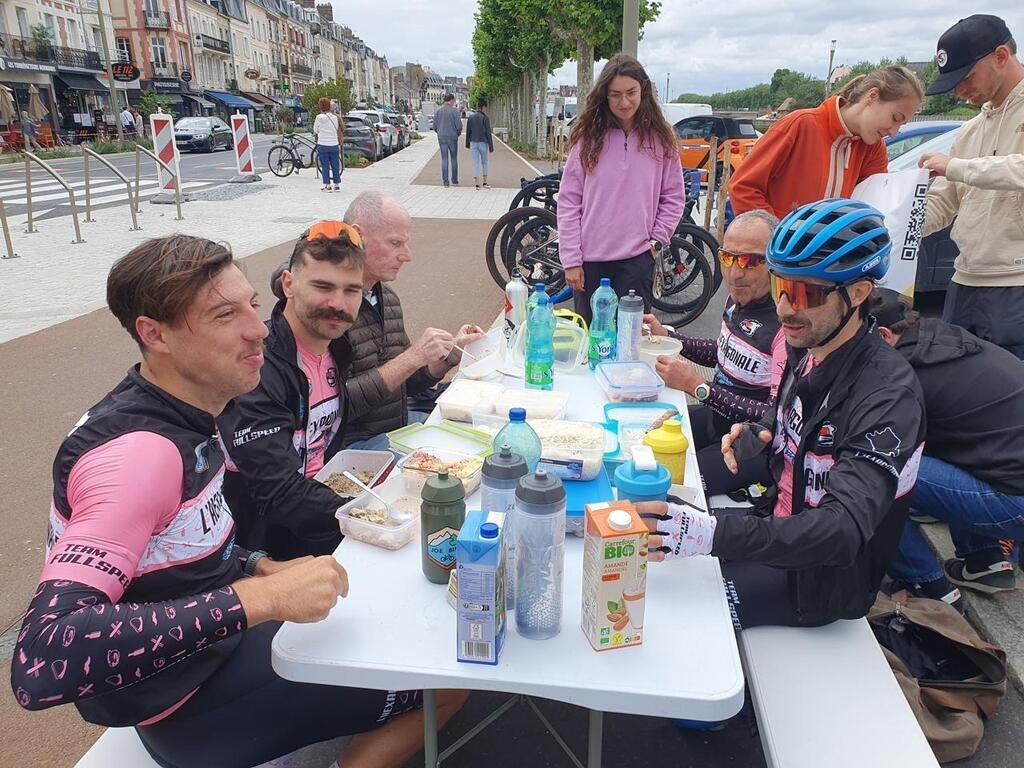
631, 323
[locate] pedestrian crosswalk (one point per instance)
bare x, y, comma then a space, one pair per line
103, 190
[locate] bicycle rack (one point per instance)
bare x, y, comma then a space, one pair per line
177, 181
10, 254
29, 228
133, 203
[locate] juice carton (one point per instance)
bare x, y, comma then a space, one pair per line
480, 563
614, 575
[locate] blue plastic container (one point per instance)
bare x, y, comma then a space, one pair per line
642, 478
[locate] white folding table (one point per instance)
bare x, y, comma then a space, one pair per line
396, 630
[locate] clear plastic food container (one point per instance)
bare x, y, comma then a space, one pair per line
572, 450
447, 435
467, 467
538, 403
632, 421
570, 344
386, 536
629, 381
465, 397
483, 357
368, 466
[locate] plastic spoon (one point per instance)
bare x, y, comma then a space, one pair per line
396, 515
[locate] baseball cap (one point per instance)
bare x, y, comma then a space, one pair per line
888, 307
963, 45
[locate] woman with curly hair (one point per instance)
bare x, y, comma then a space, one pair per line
621, 194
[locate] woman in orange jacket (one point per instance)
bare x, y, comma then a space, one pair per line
822, 152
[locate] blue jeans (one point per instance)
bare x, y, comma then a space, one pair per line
977, 517
449, 156
330, 163
479, 150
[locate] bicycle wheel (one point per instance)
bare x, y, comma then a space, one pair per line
532, 253
281, 160
498, 239
685, 282
703, 239
543, 191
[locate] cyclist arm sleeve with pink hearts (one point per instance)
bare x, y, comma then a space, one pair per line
77, 638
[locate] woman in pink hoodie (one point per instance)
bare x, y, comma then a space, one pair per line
621, 194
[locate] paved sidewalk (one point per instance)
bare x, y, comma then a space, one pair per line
54, 281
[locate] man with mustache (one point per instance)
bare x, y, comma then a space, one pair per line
279, 435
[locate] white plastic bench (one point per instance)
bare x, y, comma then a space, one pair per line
117, 746
825, 696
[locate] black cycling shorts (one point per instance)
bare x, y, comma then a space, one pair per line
246, 715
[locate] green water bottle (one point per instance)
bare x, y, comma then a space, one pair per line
442, 513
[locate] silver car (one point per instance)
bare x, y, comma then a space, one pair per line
387, 131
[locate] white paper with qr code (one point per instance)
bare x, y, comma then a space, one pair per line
901, 197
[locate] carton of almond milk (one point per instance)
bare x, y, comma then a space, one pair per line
614, 575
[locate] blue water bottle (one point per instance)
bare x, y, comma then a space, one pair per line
604, 306
540, 348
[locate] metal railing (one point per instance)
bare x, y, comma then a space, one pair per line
10, 254
76, 57
133, 202
302, 69
163, 70
157, 19
26, 48
214, 44
29, 228
177, 181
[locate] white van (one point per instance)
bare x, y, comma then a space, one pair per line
675, 112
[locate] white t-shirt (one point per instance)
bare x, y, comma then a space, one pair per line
326, 129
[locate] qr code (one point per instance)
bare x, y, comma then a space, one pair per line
913, 239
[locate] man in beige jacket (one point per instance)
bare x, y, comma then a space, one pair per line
981, 181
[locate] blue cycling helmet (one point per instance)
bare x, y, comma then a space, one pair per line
837, 239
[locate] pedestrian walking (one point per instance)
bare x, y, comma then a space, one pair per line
127, 122
329, 131
140, 124
978, 183
29, 131
621, 193
448, 126
812, 154
479, 142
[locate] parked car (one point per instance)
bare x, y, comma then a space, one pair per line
736, 136
389, 133
202, 134
914, 134
361, 140
357, 118
404, 139
938, 251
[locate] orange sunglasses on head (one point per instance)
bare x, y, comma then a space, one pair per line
330, 230
741, 260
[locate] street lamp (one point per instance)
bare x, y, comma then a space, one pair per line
831, 57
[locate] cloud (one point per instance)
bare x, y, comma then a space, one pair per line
706, 45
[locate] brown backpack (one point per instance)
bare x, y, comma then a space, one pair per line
960, 679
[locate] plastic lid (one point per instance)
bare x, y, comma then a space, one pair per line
488, 531
517, 414
632, 480
606, 281
620, 520
540, 488
505, 465
632, 302
668, 438
539, 287
442, 488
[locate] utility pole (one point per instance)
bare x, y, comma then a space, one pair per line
110, 69
668, 79
831, 56
630, 26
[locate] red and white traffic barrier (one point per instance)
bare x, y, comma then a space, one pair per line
243, 145
162, 131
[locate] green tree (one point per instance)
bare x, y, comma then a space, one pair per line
151, 103
336, 90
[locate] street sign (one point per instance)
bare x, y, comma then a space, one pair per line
186, 76
124, 72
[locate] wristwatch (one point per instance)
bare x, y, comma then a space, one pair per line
249, 569
702, 391
656, 247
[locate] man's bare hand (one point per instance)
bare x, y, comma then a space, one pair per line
678, 373
738, 444
574, 277
935, 163
303, 593
467, 334
433, 346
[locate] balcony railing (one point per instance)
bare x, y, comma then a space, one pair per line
26, 49
157, 19
215, 44
164, 70
302, 69
282, 69
77, 58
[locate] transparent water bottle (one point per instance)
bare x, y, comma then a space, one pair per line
501, 474
631, 323
540, 555
531, 304
519, 437
540, 348
604, 305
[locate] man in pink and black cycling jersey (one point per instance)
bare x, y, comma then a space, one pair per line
147, 613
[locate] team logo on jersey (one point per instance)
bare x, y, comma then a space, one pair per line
332, 377
201, 462
884, 442
827, 434
750, 326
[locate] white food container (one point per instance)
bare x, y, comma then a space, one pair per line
572, 450
483, 357
414, 479
538, 403
354, 460
653, 347
385, 536
465, 397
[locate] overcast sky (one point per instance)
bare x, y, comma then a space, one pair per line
706, 45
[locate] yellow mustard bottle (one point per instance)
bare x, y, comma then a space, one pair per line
669, 445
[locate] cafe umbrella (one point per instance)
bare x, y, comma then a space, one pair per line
7, 111
36, 110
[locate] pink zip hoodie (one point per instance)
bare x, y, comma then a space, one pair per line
630, 198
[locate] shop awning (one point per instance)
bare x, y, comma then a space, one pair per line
81, 82
200, 101
230, 100
259, 98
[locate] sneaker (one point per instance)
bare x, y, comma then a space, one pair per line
478, 186
998, 577
326, 189
486, 185
337, 188
446, 186
940, 589
923, 518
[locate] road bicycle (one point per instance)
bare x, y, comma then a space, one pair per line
524, 243
288, 152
